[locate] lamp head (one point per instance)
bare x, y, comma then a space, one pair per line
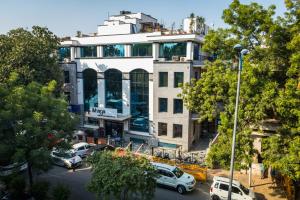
237, 47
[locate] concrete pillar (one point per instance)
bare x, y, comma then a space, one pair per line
99, 51
155, 51
101, 93
128, 48
77, 52
72, 52
80, 91
189, 51
126, 125
126, 94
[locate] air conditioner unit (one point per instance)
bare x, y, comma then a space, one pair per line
66, 60
182, 59
175, 58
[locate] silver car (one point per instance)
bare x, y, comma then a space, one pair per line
67, 159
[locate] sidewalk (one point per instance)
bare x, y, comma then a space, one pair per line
262, 187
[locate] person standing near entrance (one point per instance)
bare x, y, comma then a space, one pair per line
73, 164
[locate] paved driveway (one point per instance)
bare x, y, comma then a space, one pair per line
77, 182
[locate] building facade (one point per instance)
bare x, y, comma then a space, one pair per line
125, 79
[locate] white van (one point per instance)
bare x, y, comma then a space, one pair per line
219, 190
81, 149
174, 177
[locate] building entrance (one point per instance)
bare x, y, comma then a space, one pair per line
113, 129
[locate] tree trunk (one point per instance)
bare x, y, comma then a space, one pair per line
125, 194
30, 174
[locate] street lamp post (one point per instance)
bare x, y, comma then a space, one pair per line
241, 53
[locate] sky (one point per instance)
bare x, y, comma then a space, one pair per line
65, 17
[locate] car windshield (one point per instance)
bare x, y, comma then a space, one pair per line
69, 155
245, 190
178, 173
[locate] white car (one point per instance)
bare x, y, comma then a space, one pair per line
66, 159
81, 149
174, 177
219, 190
15, 167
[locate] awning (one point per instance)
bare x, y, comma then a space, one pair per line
118, 118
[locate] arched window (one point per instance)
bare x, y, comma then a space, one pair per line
113, 89
90, 89
139, 100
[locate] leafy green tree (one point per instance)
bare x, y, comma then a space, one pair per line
269, 89
125, 177
31, 54
32, 120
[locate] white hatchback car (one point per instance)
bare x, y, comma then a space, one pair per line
219, 190
81, 149
174, 177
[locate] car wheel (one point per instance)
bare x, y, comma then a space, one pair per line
180, 189
215, 197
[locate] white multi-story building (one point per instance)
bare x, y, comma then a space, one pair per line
125, 79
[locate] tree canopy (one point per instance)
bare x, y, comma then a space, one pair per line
133, 178
269, 88
31, 54
32, 120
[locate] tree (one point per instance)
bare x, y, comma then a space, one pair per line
32, 120
269, 87
124, 177
31, 54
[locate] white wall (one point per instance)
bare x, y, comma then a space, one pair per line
114, 29
101, 93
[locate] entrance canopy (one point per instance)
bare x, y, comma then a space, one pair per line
119, 117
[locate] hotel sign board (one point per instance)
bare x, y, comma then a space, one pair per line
106, 112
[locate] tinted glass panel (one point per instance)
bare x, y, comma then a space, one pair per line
196, 51
67, 76
88, 51
90, 89
113, 89
64, 52
139, 100
178, 79
223, 187
162, 129
163, 79
177, 130
163, 104
142, 50
178, 106
236, 190
167, 50
116, 50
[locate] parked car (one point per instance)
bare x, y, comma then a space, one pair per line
11, 168
81, 149
219, 190
172, 176
100, 147
66, 158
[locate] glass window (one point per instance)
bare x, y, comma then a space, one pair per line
178, 106
67, 76
162, 104
197, 51
68, 97
64, 52
178, 173
113, 89
223, 187
162, 128
216, 185
236, 190
88, 51
139, 100
167, 50
90, 89
177, 130
116, 50
163, 79
142, 50
178, 79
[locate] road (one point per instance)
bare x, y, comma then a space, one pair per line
77, 182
